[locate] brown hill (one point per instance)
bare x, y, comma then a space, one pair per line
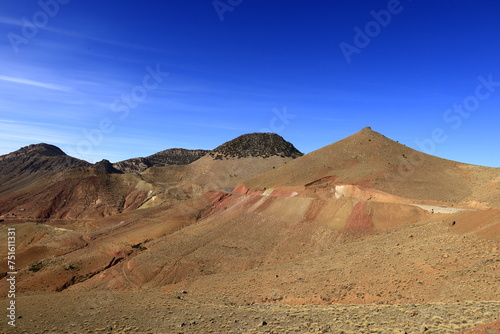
372, 160
79, 193
42, 182
173, 156
28, 164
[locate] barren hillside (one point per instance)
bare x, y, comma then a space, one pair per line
28, 164
361, 226
370, 159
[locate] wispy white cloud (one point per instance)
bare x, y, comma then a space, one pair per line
10, 122
16, 134
34, 83
10, 21
75, 34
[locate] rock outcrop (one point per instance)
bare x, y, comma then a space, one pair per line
173, 156
262, 145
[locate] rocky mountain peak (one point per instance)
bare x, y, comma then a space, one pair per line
41, 149
262, 145
106, 166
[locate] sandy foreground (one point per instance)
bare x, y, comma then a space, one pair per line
181, 312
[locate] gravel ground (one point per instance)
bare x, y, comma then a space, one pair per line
180, 312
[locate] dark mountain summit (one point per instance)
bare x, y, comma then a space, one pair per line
262, 145
32, 162
38, 157
38, 149
106, 166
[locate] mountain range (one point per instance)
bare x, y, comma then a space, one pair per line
365, 220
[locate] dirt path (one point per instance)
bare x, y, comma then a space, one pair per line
441, 209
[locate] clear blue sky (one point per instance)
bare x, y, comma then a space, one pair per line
91, 76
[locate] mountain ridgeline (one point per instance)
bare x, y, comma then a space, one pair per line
44, 179
35, 169
173, 156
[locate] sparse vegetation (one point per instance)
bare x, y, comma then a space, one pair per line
101, 311
36, 267
139, 247
262, 145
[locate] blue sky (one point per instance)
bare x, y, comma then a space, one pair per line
122, 79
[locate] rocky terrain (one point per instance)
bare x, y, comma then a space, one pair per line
176, 156
107, 167
173, 156
180, 312
363, 236
262, 145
